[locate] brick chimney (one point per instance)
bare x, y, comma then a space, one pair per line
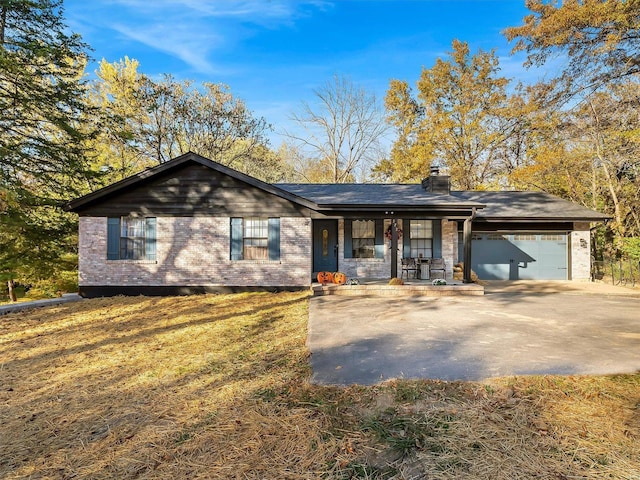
436, 183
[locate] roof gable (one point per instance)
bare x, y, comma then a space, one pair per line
166, 169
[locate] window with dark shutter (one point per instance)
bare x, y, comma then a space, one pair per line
421, 238
364, 238
255, 238
131, 238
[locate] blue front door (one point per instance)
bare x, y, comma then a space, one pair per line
325, 246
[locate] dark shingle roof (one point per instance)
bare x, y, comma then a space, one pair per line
370, 194
528, 206
501, 205
504, 205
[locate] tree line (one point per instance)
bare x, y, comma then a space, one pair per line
576, 135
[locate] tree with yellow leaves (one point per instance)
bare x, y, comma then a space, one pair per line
600, 40
460, 119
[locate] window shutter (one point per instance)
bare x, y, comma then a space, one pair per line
113, 238
348, 244
379, 238
437, 239
150, 240
406, 238
236, 239
274, 239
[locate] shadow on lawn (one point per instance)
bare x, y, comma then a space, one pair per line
121, 405
139, 317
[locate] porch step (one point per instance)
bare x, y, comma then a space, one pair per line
399, 290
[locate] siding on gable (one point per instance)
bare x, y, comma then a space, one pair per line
195, 190
195, 251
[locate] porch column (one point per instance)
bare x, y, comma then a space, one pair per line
466, 235
394, 249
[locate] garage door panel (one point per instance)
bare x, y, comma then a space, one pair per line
526, 271
520, 255
492, 271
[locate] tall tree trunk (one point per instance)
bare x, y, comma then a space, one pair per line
3, 23
12, 292
617, 210
637, 220
618, 224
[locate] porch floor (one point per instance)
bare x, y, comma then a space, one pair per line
411, 287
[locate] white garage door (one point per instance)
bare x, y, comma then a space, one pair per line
520, 256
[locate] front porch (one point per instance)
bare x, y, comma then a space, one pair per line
411, 287
370, 255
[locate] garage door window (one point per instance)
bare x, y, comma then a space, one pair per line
495, 236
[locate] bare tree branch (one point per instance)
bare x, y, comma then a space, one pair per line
342, 132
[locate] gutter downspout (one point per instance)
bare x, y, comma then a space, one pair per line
466, 235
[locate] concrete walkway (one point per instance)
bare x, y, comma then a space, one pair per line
17, 307
517, 328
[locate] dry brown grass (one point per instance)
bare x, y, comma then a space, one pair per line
215, 386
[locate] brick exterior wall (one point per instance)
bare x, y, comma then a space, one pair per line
449, 245
580, 253
195, 251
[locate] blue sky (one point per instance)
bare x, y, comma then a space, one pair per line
274, 53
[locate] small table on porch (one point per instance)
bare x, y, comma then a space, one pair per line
423, 268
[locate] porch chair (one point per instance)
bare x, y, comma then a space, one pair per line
409, 265
437, 265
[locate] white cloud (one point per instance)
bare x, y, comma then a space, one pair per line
180, 42
195, 30
259, 12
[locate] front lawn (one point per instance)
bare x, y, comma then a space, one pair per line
216, 386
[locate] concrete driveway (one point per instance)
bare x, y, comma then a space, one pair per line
517, 328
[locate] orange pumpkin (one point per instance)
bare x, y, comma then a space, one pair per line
325, 277
339, 278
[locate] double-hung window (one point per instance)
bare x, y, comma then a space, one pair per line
255, 238
363, 238
421, 235
131, 238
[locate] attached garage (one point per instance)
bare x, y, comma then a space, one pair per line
528, 236
520, 255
